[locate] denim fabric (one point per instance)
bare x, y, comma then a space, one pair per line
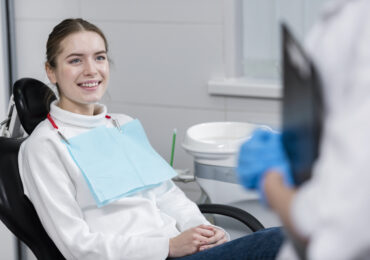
261, 245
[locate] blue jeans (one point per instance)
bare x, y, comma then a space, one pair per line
262, 244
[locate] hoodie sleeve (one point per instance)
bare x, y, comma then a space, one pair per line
172, 201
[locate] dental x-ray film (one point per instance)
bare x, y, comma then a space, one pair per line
302, 107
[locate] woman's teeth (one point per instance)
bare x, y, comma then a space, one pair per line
90, 85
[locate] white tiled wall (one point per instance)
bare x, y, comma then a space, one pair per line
163, 52
167, 11
164, 64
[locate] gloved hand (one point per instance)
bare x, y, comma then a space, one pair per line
261, 153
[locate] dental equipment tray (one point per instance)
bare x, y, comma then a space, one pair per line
302, 108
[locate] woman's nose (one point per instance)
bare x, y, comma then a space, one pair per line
90, 68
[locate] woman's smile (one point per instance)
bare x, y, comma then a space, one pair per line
90, 85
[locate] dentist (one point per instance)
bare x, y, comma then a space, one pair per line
329, 213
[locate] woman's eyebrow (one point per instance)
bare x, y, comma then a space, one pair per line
101, 52
74, 54
81, 54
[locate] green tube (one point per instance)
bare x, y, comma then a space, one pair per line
173, 146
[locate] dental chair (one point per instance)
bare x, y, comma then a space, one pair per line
16, 210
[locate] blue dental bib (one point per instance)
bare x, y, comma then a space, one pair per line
117, 164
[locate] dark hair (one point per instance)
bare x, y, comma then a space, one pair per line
64, 29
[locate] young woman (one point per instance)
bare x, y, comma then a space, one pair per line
70, 162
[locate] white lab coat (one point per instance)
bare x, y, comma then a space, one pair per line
333, 208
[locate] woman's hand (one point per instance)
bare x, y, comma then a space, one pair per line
192, 240
218, 239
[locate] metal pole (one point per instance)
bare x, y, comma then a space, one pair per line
10, 31
11, 61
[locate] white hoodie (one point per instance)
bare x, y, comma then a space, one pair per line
134, 227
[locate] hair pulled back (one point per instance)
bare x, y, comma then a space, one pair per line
63, 30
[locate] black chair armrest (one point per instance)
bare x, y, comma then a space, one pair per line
249, 220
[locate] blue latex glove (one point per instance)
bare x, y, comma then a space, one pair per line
262, 152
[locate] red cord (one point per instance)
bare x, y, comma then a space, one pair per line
56, 127
52, 121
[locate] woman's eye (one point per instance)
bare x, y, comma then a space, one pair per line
74, 61
101, 57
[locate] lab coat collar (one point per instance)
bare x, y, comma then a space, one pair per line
67, 117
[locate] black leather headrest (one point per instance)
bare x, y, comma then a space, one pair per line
32, 99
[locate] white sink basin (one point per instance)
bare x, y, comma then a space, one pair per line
216, 141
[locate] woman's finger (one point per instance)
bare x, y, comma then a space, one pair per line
219, 242
214, 239
201, 239
205, 231
220, 234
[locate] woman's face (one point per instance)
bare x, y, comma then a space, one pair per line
81, 72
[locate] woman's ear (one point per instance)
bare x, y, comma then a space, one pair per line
50, 72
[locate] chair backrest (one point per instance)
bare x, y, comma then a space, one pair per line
16, 211
32, 99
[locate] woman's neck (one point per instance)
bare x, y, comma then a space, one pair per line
83, 109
